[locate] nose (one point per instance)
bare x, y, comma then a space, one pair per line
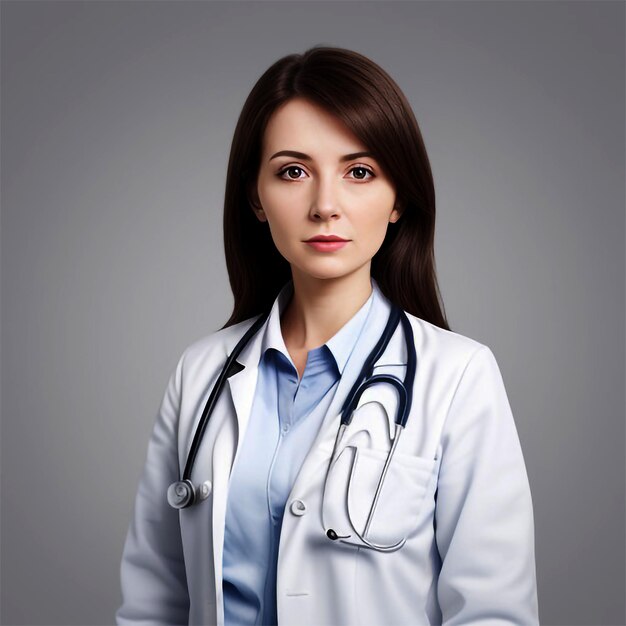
325, 203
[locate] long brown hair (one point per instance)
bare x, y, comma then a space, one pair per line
368, 101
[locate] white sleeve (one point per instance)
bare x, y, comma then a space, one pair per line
484, 512
152, 572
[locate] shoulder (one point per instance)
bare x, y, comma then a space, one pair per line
448, 352
443, 342
459, 370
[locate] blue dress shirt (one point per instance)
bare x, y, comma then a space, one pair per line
285, 418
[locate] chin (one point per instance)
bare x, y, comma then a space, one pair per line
325, 273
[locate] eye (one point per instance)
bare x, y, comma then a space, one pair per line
291, 168
361, 169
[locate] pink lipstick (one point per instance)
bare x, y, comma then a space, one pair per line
327, 243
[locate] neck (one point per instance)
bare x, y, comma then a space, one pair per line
321, 306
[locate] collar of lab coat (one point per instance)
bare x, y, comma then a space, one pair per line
376, 309
340, 344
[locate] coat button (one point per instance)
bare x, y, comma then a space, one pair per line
298, 507
205, 489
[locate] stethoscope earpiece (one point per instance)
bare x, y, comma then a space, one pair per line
331, 534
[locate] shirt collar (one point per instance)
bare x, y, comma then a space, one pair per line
340, 344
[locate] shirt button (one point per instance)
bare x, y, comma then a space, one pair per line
285, 428
298, 507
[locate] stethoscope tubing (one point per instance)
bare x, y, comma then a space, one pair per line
405, 397
224, 374
365, 378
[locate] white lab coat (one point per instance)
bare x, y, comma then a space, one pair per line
457, 490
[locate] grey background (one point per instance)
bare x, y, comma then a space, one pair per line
117, 119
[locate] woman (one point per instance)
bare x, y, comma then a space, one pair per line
280, 524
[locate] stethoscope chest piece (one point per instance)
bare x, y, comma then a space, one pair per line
180, 494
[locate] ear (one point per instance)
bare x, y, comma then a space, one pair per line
396, 213
255, 203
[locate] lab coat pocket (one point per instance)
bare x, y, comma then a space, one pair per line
398, 507
351, 487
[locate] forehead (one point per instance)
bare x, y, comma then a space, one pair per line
302, 125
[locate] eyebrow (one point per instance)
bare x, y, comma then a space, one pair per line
306, 157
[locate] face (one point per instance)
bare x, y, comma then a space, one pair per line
312, 181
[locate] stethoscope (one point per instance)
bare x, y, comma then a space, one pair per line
182, 493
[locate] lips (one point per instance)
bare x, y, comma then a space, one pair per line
326, 245
326, 238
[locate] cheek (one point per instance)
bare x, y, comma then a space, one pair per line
284, 228
372, 227
284, 222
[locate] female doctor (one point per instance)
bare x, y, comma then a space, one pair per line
312, 498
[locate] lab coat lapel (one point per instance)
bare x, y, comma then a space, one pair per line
243, 383
242, 386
